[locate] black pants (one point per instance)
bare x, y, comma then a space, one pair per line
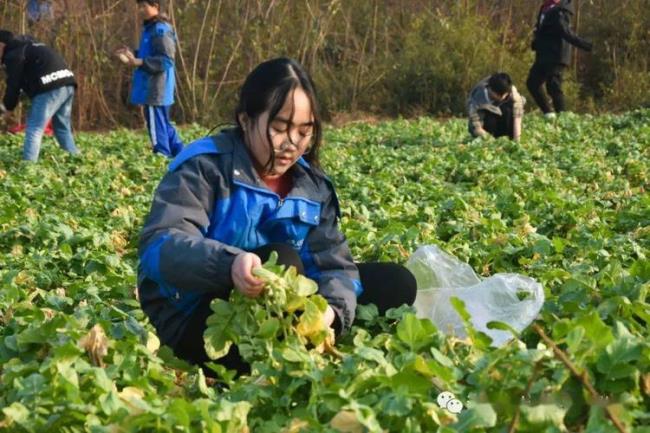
551, 74
386, 285
502, 125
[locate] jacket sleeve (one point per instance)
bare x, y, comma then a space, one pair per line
568, 35
173, 248
15, 66
163, 50
518, 102
328, 261
475, 120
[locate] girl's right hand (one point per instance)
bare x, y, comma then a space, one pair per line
242, 274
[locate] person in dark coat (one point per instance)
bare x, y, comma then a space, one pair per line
43, 75
552, 43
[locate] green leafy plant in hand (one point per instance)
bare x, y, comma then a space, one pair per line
288, 314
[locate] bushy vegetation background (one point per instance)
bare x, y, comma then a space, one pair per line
398, 57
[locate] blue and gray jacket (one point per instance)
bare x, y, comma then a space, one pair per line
154, 81
211, 206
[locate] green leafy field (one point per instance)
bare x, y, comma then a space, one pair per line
568, 206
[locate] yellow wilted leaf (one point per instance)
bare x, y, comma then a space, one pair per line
96, 345
132, 396
328, 344
122, 211
118, 241
346, 422
23, 279
296, 426
153, 343
31, 214
311, 321
17, 250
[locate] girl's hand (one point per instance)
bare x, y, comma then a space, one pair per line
242, 276
329, 316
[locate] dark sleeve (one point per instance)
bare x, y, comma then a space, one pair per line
173, 248
569, 36
163, 47
15, 67
330, 264
533, 44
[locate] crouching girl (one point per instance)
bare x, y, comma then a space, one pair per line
227, 201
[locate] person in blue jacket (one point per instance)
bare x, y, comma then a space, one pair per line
229, 200
154, 78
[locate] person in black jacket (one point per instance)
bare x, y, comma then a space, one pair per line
41, 73
552, 45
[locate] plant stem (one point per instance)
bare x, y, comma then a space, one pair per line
582, 377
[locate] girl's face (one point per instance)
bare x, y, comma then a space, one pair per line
147, 11
291, 134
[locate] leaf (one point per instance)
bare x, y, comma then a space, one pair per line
311, 321
503, 327
133, 397
411, 331
480, 415
367, 313
296, 426
459, 306
218, 336
269, 328
68, 373
619, 356
544, 415
305, 286
95, 343
17, 413
595, 330
395, 405
294, 355
295, 303
203, 386
431, 368
153, 343
346, 421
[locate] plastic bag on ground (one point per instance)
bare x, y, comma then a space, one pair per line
509, 298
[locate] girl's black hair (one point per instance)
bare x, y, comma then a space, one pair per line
266, 89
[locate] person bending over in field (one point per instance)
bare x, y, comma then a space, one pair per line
154, 76
41, 73
229, 200
495, 107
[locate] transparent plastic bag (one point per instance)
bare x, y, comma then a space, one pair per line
509, 298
